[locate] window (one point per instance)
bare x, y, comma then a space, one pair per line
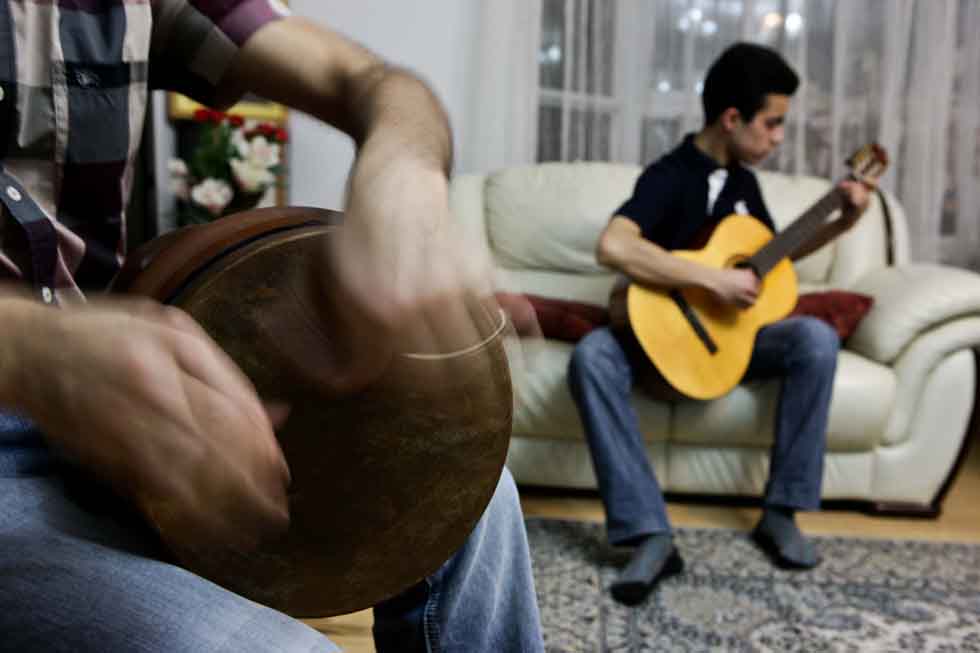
620, 80
579, 108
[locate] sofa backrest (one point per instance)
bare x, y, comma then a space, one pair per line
541, 224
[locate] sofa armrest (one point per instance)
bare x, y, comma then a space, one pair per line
909, 300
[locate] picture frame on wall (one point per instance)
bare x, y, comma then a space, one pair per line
181, 107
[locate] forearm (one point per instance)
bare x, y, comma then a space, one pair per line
388, 111
393, 115
648, 263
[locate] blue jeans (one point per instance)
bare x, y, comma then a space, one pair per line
801, 350
77, 573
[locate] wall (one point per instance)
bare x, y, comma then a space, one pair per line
436, 38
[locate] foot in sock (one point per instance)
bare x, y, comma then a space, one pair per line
777, 535
655, 557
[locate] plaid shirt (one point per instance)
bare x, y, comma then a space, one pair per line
74, 80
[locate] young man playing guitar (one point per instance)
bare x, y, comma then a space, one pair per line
677, 199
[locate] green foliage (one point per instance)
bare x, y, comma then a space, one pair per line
214, 150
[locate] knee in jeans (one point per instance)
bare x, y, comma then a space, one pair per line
128, 602
578, 364
819, 340
506, 502
591, 355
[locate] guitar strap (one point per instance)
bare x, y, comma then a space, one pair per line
38, 231
889, 227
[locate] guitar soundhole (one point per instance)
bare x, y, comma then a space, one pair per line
739, 261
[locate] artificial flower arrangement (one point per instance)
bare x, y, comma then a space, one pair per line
234, 164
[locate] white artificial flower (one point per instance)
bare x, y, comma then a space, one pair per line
177, 168
179, 187
251, 178
263, 153
178, 178
213, 194
239, 142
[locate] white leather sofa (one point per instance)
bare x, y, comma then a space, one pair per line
904, 390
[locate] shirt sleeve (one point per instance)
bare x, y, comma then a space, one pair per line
651, 198
195, 41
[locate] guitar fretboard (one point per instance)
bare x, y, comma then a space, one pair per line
793, 237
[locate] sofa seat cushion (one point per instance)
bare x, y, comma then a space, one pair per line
864, 395
544, 405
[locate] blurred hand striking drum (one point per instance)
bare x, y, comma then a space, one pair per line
388, 481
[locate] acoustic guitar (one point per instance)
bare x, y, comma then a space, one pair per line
700, 346
388, 481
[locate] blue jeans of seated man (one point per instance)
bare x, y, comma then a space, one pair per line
801, 350
78, 575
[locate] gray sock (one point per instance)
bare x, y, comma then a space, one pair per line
779, 536
654, 557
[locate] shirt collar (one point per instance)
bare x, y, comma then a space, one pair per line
692, 155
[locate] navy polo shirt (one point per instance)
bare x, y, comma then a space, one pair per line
670, 200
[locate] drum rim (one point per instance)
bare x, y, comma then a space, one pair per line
465, 350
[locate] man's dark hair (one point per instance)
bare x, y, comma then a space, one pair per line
742, 77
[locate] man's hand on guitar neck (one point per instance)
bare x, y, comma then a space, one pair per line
857, 196
737, 287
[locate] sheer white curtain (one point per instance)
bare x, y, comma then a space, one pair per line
620, 80
505, 89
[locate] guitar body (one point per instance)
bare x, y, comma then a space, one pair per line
387, 482
701, 348
667, 337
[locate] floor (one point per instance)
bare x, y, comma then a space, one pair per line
960, 521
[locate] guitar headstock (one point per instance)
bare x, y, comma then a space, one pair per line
868, 164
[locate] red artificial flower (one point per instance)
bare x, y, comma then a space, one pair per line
235, 120
209, 115
281, 135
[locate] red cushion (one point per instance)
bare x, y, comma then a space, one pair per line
840, 309
559, 319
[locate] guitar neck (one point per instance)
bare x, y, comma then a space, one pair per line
793, 237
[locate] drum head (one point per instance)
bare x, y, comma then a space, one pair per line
386, 483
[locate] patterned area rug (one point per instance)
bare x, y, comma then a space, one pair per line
868, 595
